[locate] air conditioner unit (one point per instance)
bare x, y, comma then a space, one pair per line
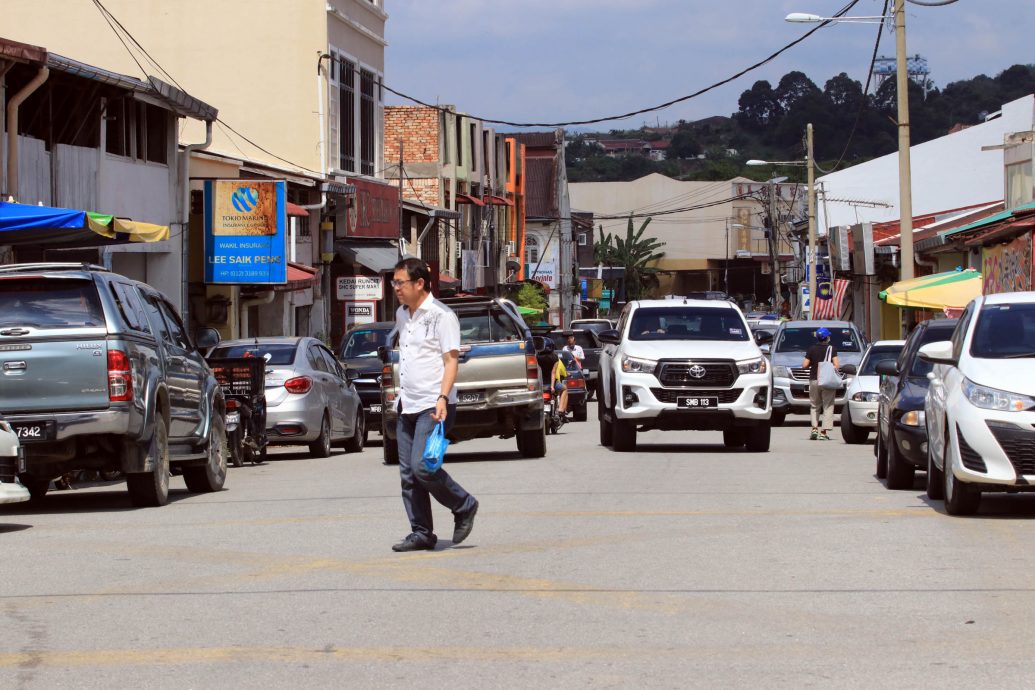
511, 248
459, 249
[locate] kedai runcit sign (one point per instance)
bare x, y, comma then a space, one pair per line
245, 242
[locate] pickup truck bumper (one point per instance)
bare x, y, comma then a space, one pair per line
746, 403
792, 395
68, 425
502, 413
11, 492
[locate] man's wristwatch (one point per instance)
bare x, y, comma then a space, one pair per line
443, 397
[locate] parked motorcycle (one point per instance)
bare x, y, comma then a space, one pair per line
243, 380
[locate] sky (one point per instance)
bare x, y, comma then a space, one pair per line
562, 60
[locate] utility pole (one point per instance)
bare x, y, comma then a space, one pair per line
812, 222
904, 180
402, 217
774, 240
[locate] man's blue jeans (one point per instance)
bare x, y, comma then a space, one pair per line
418, 485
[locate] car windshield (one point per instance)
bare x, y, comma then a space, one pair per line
1004, 331
483, 327
687, 323
279, 353
875, 356
364, 343
595, 326
43, 303
800, 339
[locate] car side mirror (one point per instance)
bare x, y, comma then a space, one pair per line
611, 337
382, 353
538, 343
207, 337
938, 353
764, 348
849, 369
351, 375
763, 337
887, 368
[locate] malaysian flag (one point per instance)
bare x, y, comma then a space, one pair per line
831, 308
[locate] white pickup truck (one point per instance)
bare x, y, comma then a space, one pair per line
683, 365
10, 459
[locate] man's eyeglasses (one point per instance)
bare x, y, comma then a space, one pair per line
399, 283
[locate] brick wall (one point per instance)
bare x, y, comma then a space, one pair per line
418, 128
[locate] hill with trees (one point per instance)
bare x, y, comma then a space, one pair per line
770, 125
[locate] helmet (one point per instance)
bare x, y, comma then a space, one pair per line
822, 333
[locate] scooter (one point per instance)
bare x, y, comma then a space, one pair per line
554, 420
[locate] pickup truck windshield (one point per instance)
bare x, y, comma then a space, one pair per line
50, 303
801, 339
687, 323
486, 327
364, 343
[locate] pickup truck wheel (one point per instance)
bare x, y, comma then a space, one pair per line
211, 476
151, 489
900, 473
607, 435
321, 447
38, 488
359, 437
532, 443
778, 419
624, 435
758, 438
850, 432
734, 438
391, 449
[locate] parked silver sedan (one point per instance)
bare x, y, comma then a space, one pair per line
310, 399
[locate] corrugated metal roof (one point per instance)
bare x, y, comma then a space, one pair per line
22, 51
541, 188
535, 138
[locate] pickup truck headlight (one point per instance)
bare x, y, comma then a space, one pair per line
636, 365
753, 366
4, 426
914, 418
994, 399
781, 371
866, 396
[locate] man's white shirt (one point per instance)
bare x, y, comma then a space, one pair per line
576, 352
424, 336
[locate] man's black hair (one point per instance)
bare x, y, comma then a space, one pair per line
416, 270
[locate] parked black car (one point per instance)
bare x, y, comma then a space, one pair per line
590, 344
358, 353
901, 433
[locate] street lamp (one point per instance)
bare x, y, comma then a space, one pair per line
902, 96
809, 164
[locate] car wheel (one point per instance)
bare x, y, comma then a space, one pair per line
391, 451
882, 456
960, 499
758, 438
900, 473
935, 480
38, 488
532, 443
151, 489
624, 431
212, 475
778, 419
359, 438
321, 447
849, 431
579, 414
734, 438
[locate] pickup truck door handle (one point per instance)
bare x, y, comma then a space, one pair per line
15, 331
15, 366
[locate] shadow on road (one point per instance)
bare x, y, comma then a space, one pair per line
13, 528
83, 501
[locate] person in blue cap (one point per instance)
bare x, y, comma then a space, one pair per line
820, 398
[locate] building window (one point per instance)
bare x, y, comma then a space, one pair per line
531, 249
347, 144
137, 130
582, 239
367, 126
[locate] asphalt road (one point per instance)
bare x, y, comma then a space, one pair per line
682, 565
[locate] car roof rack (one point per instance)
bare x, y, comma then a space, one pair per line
53, 266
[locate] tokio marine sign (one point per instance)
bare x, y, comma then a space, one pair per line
245, 242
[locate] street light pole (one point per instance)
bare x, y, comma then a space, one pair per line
812, 221
774, 239
904, 177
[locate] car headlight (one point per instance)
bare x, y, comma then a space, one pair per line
914, 418
636, 365
753, 366
995, 399
781, 371
866, 396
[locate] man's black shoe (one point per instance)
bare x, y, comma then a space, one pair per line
416, 542
464, 523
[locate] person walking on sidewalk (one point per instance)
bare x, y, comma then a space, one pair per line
429, 350
820, 399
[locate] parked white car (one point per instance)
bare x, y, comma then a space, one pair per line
859, 415
980, 406
10, 459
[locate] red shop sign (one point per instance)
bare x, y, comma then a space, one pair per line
374, 211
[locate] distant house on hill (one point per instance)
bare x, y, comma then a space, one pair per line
617, 148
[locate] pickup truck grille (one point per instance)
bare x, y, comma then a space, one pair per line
710, 373
800, 373
668, 395
8, 467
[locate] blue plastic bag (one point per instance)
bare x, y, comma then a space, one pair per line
435, 448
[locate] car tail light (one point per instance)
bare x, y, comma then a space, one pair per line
120, 377
231, 404
532, 371
577, 383
386, 382
299, 384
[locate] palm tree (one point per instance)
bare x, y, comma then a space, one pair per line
635, 254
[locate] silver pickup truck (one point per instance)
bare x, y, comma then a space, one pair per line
499, 392
98, 372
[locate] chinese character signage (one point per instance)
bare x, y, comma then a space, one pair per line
244, 232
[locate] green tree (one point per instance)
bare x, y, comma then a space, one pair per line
635, 254
531, 296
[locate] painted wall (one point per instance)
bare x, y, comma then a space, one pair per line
1007, 267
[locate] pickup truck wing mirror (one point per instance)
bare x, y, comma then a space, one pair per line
762, 337
887, 368
207, 337
938, 353
382, 353
611, 337
538, 343
849, 369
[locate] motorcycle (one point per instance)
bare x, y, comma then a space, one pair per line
243, 380
554, 420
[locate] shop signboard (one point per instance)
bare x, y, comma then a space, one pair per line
545, 272
360, 312
363, 288
244, 232
373, 211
